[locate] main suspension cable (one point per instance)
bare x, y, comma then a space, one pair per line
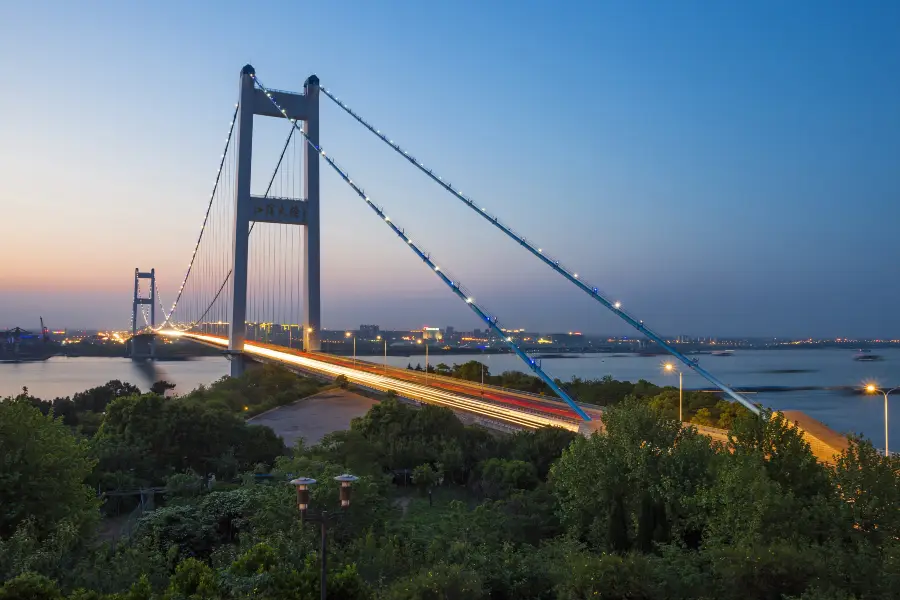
573, 277
455, 286
266, 195
212, 197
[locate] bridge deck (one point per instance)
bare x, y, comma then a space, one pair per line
518, 409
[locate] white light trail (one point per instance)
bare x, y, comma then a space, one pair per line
408, 389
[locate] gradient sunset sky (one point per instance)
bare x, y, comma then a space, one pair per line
722, 168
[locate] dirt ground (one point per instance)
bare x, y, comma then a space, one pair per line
311, 418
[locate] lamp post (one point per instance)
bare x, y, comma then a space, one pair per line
385, 356
871, 389
482, 379
303, 484
350, 334
669, 367
426, 361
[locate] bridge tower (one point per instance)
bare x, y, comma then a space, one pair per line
305, 212
138, 300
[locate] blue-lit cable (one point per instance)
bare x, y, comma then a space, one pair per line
453, 285
553, 264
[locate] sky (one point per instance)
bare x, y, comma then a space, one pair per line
721, 169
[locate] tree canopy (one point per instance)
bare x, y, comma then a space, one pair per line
43, 474
646, 509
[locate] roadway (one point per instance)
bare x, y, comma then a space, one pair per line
525, 400
508, 406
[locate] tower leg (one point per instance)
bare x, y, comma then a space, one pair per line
312, 315
152, 312
134, 311
244, 145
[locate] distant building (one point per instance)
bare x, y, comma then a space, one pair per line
432, 333
449, 331
369, 332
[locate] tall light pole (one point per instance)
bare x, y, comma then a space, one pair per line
669, 367
871, 389
303, 484
426, 362
350, 334
385, 356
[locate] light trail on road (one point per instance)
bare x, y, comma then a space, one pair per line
414, 391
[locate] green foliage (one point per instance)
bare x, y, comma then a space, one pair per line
425, 476
193, 579
441, 582
195, 529
869, 486
177, 435
788, 458
540, 447
700, 408
629, 487
30, 586
501, 477
645, 510
609, 576
84, 409
44, 468
161, 387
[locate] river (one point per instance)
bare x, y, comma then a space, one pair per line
843, 412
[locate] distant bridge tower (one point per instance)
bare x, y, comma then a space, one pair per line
300, 107
138, 300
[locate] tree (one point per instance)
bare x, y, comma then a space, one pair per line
472, 370
193, 579
869, 486
788, 457
98, 398
180, 434
342, 381
704, 417
44, 468
500, 477
441, 582
425, 476
541, 447
644, 471
161, 387
30, 586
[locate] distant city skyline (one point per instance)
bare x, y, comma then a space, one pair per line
688, 337
721, 169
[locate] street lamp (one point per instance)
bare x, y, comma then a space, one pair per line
350, 334
303, 484
871, 388
669, 367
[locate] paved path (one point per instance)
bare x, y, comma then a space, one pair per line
311, 418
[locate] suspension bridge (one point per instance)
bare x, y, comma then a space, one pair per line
255, 272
